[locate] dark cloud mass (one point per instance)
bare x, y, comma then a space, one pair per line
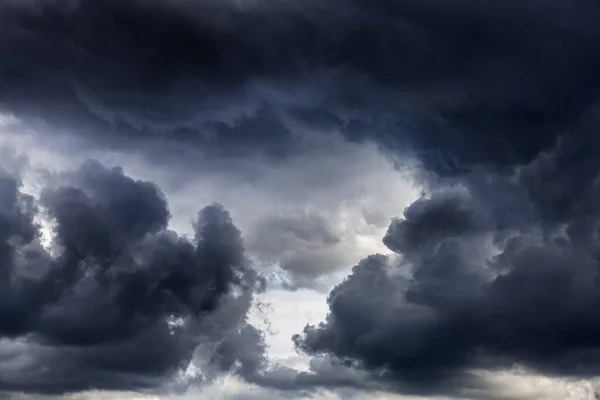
495, 271
460, 82
496, 264
119, 301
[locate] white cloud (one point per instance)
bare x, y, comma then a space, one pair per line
523, 385
93, 395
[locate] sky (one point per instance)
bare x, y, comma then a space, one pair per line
284, 199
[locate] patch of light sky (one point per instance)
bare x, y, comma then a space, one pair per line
280, 312
379, 187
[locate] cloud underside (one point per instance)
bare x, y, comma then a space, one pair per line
456, 82
495, 265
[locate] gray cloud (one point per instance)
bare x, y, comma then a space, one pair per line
310, 233
456, 82
118, 302
497, 261
487, 280
354, 192
305, 245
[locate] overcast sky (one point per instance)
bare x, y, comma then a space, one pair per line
284, 199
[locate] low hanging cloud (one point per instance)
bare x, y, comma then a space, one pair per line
455, 82
118, 301
496, 264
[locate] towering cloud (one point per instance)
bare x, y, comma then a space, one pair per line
118, 301
496, 264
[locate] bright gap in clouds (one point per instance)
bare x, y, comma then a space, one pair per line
355, 193
281, 312
281, 112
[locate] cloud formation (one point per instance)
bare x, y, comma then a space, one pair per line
457, 82
118, 302
495, 265
494, 271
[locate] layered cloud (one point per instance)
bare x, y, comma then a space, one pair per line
457, 81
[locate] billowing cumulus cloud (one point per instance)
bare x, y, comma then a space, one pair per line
493, 105
118, 301
485, 279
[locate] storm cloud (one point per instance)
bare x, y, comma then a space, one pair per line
492, 105
118, 301
457, 82
484, 279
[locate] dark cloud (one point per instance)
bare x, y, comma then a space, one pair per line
119, 302
459, 82
488, 279
497, 101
